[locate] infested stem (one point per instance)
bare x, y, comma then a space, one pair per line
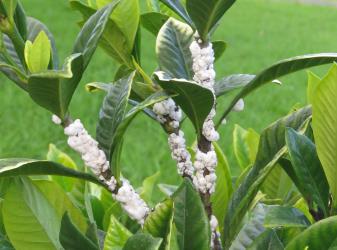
95, 158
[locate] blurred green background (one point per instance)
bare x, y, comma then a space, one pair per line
258, 33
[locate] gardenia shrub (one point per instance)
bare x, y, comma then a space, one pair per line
283, 198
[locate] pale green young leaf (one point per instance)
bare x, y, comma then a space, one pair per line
245, 143
116, 236
159, 223
55, 155
148, 187
38, 53
324, 120
42, 210
313, 81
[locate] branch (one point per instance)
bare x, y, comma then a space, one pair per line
95, 158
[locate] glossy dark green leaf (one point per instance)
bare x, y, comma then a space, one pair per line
53, 90
196, 101
271, 149
321, 235
113, 40
179, 9
232, 82
173, 49
126, 19
252, 228
206, 14
153, 21
219, 48
117, 235
142, 241
308, 169
283, 216
159, 222
267, 241
20, 20
112, 114
87, 40
16, 167
280, 69
72, 239
190, 219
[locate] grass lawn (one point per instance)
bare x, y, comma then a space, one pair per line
258, 33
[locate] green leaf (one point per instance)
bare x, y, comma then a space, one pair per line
126, 18
279, 216
87, 40
313, 81
252, 228
267, 241
324, 127
278, 185
167, 189
173, 49
71, 238
113, 40
20, 20
37, 54
53, 90
10, 6
142, 241
312, 182
117, 235
34, 27
280, 69
55, 155
321, 235
42, 210
148, 187
122, 127
219, 48
159, 222
16, 167
179, 9
245, 143
223, 187
193, 230
112, 114
196, 101
153, 21
206, 14
271, 149
232, 82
